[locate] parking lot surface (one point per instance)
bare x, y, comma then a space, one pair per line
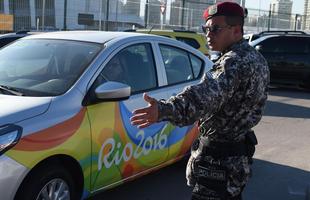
281, 169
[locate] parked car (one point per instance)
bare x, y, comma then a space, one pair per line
288, 57
11, 37
66, 99
250, 37
192, 38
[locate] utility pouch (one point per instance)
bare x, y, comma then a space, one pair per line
212, 176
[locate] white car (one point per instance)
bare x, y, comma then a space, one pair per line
65, 103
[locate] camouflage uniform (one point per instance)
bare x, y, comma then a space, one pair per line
228, 102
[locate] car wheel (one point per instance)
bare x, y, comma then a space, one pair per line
48, 183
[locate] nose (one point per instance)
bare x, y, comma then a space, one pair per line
209, 33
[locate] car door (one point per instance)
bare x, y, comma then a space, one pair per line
296, 55
182, 68
270, 49
120, 150
285, 56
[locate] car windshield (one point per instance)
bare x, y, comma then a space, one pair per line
41, 67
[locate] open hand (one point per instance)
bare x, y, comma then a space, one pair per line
146, 116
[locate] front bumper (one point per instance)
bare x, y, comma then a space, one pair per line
11, 175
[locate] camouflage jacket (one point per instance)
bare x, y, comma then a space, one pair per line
228, 101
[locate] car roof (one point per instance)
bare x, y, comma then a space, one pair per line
19, 34
174, 32
160, 30
254, 36
11, 35
282, 32
264, 37
85, 36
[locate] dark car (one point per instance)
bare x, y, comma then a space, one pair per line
11, 37
288, 57
250, 37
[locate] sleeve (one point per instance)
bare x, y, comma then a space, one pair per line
203, 99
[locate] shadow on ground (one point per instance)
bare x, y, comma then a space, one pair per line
273, 181
290, 92
167, 183
270, 181
283, 108
277, 109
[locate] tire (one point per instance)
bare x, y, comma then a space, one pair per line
48, 181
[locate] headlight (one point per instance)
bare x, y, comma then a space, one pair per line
9, 136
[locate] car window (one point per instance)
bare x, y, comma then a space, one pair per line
197, 65
133, 66
291, 45
177, 64
189, 41
44, 67
268, 45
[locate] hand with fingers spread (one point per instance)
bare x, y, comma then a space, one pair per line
146, 116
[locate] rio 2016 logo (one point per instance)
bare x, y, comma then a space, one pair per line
159, 141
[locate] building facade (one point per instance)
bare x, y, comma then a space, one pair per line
188, 13
124, 14
281, 13
306, 20
68, 14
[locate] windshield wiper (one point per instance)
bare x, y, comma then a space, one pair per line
10, 90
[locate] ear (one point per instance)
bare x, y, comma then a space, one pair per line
237, 30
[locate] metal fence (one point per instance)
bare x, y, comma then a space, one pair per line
113, 15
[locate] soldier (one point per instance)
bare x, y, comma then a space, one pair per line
228, 102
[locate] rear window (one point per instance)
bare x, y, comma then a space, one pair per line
189, 41
291, 45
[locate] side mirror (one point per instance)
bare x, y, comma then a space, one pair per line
113, 91
259, 47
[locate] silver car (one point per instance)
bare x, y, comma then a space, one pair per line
65, 103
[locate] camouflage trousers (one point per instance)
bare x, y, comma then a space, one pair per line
217, 179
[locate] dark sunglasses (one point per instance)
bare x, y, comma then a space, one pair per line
213, 28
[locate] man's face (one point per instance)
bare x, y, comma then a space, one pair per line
219, 34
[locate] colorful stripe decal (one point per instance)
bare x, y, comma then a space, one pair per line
47, 138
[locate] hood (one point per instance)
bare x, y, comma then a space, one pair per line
15, 108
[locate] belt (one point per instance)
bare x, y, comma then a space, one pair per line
225, 149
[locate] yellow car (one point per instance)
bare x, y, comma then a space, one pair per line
192, 38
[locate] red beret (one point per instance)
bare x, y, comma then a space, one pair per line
223, 9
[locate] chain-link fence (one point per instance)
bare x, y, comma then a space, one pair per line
263, 20
113, 15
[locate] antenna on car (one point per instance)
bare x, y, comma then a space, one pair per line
151, 29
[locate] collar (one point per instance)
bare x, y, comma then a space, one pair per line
235, 46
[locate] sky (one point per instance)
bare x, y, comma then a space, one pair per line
298, 5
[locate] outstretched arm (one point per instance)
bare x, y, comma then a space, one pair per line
194, 102
146, 116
